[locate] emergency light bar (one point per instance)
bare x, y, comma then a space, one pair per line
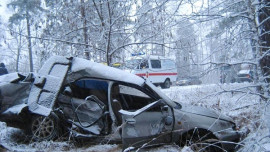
137, 54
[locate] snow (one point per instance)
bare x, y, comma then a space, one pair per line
47, 67
15, 109
238, 101
33, 106
9, 77
242, 105
46, 86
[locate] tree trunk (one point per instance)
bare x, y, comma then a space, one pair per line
264, 27
86, 51
255, 42
109, 57
29, 41
19, 50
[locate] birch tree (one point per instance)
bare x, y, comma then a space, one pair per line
17, 43
25, 10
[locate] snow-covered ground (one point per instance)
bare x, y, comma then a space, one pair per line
236, 100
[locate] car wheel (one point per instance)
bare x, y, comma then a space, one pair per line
201, 142
166, 84
44, 128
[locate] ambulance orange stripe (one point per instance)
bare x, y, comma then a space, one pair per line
155, 74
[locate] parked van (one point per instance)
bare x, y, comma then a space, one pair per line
159, 70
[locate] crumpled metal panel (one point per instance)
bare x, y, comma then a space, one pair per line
47, 85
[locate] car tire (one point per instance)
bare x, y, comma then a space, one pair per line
44, 128
166, 84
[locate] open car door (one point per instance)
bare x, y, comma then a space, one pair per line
147, 126
47, 85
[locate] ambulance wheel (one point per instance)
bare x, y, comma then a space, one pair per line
166, 84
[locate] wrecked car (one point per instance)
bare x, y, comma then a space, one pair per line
90, 100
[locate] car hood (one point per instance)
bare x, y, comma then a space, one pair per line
204, 112
9, 77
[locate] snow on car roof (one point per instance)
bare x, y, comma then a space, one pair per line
96, 70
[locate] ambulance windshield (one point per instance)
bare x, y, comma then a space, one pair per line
137, 64
133, 64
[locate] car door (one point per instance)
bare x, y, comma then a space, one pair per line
146, 125
47, 85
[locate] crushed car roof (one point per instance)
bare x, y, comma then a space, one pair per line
82, 67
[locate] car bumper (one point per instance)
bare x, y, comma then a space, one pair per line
14, 116
229, 138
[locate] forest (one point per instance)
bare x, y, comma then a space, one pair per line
210, 39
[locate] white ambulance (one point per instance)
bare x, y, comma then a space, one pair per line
159, 70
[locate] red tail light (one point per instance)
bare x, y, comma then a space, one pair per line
248, 76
